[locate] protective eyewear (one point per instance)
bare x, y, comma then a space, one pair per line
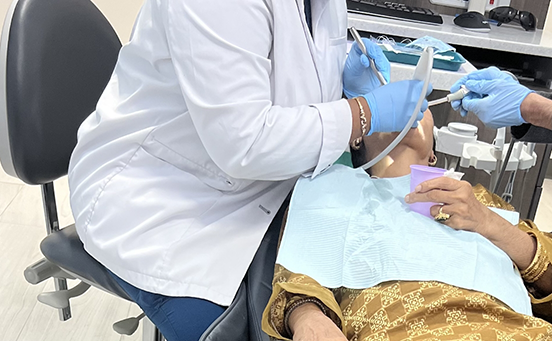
505, 14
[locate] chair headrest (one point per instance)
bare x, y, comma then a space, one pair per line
59, 56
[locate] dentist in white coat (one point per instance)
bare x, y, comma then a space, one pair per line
215, 107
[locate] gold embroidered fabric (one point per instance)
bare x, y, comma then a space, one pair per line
412, 311
490, 199
409, 311
432, 311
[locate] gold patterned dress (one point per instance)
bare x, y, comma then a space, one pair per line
409, 310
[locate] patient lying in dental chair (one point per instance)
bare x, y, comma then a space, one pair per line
356, 263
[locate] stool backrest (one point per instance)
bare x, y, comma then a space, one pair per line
56, 57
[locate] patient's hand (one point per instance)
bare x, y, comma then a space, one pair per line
308, 323
466, 212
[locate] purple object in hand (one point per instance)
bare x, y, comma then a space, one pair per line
419, 174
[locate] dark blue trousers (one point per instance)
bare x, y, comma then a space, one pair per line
178, 318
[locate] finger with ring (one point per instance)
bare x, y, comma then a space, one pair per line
441, 217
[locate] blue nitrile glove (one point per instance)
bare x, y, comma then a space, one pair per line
392, 105
497, 103
358, 77
489, 73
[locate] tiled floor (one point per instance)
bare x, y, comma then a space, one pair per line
23, 318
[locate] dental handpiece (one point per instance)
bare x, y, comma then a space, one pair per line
358, 40
458, 95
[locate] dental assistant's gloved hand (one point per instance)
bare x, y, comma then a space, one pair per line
497, 102
392, 105
358, 77
489, 73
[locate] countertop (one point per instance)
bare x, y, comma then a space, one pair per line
508, 37
440, 79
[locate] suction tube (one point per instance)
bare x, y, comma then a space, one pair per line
422, 73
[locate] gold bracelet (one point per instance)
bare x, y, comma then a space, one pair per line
363, 124
538, 265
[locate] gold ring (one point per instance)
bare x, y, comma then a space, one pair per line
442, 217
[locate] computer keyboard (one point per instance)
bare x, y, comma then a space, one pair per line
394, 10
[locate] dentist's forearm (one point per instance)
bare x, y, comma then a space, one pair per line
537, 110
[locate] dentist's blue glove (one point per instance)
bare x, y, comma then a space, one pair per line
497, 102
484, 74
358, 77
392, 105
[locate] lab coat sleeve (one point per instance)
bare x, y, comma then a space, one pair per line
220, 53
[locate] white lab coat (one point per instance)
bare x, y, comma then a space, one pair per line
213, 110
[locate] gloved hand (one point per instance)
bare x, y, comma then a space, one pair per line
497, 103
489, 73
392, 105
358, 77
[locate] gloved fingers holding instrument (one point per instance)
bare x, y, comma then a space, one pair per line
484, 74
358, 77
392, 105
500, 103
495, 97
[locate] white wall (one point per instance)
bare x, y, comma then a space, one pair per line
121, 13
548, 23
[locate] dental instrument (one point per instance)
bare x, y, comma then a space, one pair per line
456, 96
421, 73
358, 39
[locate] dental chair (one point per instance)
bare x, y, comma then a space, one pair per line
56, 57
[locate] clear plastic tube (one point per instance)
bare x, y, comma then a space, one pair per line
422, 72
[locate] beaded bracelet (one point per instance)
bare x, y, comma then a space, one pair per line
538, 265
297, 304
363, 123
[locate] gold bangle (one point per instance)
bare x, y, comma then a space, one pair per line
538, 265
363, 125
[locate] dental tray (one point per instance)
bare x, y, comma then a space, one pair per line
453, 64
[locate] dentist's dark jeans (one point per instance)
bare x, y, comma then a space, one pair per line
178, 318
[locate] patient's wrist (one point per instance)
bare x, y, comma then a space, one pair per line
302, 314
494, 226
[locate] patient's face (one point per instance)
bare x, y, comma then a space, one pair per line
421, 138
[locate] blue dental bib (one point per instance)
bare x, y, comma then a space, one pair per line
346, 229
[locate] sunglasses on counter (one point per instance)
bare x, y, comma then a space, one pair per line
505, 14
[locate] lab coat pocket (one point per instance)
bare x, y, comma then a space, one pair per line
183, 149
340, 41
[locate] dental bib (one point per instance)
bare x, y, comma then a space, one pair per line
346, 229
